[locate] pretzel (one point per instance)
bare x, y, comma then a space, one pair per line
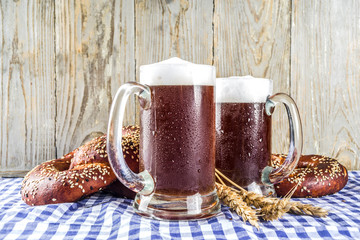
78, 174
316, 175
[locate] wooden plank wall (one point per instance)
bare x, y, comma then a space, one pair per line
62, 62
325, 76
27, 85
94, 55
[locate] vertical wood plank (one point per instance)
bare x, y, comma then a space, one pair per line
27, 86
253, 38
94, 56
166, 29
325, 76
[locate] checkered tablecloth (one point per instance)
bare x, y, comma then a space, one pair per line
105, 217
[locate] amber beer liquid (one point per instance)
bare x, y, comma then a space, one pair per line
243, 140
243, 130
177, 139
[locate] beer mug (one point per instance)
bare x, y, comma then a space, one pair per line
177, 140
243, 132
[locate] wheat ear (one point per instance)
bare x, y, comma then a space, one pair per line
235, 202
268, 204
307, 209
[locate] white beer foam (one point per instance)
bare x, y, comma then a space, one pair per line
246, 89
176, 71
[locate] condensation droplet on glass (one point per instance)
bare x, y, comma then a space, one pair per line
153, 133
249, 154
260, 140
262, 149
249, 119
198, 170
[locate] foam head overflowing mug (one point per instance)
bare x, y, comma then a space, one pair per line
243, 132
177, 140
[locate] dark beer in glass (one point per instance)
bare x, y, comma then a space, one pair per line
243, 132
177, 141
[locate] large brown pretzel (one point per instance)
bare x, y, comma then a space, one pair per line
315, 176
78, 174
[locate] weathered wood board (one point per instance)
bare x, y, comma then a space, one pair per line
325, 76
63, 61
27, 85
167, 29
94, 56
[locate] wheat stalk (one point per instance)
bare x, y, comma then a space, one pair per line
235, 202
278, 208
299, 208
307, 209
270, 208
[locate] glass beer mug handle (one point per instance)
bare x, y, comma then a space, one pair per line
273, 176
142, 183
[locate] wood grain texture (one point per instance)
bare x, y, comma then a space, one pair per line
253, 38
94, 56
167, 29
27, 86
325, 76
62, 62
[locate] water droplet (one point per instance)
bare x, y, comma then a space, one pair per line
260, 140
262, 149
153, 133
249, 154
198, 170
249, 119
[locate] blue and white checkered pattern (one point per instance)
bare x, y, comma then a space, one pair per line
104, 217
